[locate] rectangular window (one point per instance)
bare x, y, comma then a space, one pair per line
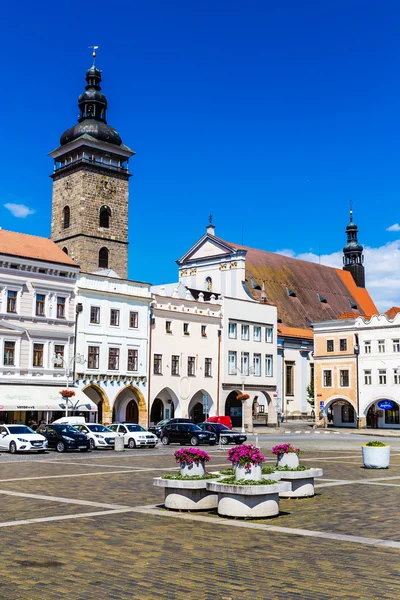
59, 352
60, 307
329, 345
157, 364
114, 317
382, 376
289, 380
396, 376
257, 334
191, 366
133, 319
168, 326
40, 300
328, 378
11, 301
244, 363
367, 377
9, 353
269, 367
208, 367
269, 334
93, 357
133, 356
186, 329
203, 331
95, 315
367, 347
396, 345
381, 346
113, 359
257, 365
245, 332
232, 331
344, 378
232, 363
38, 355
343, 345
175, 364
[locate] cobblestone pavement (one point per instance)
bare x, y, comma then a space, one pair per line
87, 527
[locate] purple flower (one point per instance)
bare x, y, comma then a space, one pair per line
245, 455
284, 449
191, 455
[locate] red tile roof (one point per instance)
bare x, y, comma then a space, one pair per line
392, 312
295, 332
32, 246
310, 283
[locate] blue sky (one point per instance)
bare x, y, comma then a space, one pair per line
269, 115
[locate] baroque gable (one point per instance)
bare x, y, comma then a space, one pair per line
207, 247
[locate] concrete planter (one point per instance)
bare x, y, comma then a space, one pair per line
187, 495
375, 457
301, 483
275, 476
251, 471
189, 469
288, 459
256, 501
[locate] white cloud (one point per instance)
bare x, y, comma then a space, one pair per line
395, 227
19, 210
382, 271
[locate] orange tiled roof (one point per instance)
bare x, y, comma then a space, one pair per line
392, 312
349, 315
296, 332
32, 246
311, 284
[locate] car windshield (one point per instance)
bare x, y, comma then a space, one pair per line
135, 428
163, 422
65, 429
20, 429
221, 427
96, 427
192, 427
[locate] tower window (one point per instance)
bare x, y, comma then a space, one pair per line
105, 214
103, 258
66, 217
65, 250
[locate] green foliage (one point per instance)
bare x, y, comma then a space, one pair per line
267, 470
286, 468
376, 444
227, 471
233, 481
311, 393
179, 477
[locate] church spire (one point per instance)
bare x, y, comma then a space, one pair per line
353, 253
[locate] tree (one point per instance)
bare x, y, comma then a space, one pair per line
310, 393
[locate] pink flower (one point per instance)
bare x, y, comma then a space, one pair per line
284, 449
245, 455
191, 455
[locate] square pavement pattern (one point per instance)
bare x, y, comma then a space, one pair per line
90, 527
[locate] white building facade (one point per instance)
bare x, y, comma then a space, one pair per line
185, 355
113, 334
37, 322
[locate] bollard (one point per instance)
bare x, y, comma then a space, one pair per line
119, 444
257, 446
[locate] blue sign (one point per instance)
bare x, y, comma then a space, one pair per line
386, 404
321, 405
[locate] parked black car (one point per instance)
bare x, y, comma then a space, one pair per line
64, 437
186, 433
157, 429
229, 437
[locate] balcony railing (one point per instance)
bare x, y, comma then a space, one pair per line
93, 162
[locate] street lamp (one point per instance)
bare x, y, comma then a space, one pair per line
243, 372
60, 361
278, 410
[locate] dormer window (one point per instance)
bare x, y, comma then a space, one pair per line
290, 292
322, 299
353, 304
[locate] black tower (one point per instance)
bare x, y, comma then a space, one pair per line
353, 258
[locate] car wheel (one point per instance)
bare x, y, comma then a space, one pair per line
92, 444
224, 440
131, 443
13, 448
194, 441
164, 440
60, 447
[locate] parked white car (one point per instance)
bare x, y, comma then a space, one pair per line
135, 435
99, 435
20, 438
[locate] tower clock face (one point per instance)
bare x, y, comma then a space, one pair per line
106, 188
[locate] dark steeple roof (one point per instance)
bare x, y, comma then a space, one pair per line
92, 113
353, 254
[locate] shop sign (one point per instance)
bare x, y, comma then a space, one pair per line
386, 404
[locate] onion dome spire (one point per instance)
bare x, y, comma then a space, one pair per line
353, 253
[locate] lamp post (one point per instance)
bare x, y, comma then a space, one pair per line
60, 361
278, 410
243, 372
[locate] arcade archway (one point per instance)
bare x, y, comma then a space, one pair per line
99, 397
130, 405
233, 408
